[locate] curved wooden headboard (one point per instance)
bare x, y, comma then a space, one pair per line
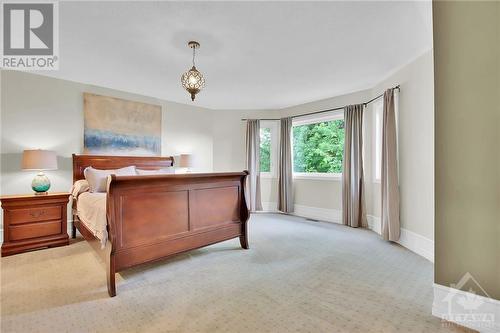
80, 162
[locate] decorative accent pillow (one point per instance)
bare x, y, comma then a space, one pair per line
162, 171
97, 178
79, 187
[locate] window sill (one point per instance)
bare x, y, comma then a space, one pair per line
318, 176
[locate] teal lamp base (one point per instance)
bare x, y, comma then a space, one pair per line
40, 184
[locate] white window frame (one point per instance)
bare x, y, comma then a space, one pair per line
273, 126
378, 112
314, 119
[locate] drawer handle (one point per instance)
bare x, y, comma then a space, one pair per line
37, 213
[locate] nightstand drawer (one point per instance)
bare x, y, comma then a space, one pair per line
18, 216
32, 230
34, 221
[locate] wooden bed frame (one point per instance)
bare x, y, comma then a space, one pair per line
154, 217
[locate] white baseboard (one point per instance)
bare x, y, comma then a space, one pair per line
409, 239
465, 308
320, 214
374, 224
308, 212
419, 244
270, 207
412, 241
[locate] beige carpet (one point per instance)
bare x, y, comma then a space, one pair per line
298, 276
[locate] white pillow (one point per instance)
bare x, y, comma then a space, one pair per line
79, 187
162, 171
97, 178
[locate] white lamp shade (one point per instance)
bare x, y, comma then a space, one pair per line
39, 160
185, 161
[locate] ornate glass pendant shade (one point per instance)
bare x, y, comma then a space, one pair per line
192, 80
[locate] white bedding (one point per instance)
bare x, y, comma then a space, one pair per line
91, 205
92, 213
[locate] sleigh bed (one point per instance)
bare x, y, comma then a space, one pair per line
151, 217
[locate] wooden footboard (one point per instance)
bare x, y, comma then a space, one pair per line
153, 217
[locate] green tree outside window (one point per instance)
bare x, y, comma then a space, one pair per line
318, 147
265, 149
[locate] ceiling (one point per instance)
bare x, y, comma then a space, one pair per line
254, 55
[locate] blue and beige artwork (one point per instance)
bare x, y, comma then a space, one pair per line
115, 126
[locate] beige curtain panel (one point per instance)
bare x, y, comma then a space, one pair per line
285, 180
253, 165
353, 196
389, 181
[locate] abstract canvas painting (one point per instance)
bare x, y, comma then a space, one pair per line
114, 126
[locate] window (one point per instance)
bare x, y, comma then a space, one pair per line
268, 148
265, 149
318, 146
377, 167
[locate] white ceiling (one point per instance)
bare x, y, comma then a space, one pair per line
254, 55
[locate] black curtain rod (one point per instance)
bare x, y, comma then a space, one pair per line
328, 110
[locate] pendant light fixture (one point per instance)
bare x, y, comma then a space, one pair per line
192, 80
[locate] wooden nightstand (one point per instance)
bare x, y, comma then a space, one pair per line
34, 221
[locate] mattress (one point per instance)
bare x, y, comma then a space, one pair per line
91, 210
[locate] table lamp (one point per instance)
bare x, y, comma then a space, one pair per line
40, 160
185, 161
